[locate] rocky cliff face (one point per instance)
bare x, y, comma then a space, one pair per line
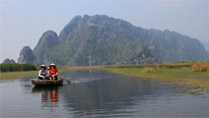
97, 40
41, 52
26, 56
172, 46
103, 40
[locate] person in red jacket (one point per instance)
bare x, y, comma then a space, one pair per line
53, 72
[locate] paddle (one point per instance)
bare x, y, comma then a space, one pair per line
66, 80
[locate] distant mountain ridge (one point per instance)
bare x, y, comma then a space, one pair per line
9, 61
103, 40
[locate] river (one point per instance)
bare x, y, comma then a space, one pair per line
97, 93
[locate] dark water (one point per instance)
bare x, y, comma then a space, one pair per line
96, 93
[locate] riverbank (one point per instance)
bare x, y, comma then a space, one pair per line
176, 74
184, 74
10, 75
173, 73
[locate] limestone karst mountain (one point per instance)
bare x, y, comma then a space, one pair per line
103, 40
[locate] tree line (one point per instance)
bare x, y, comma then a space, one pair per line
16, 67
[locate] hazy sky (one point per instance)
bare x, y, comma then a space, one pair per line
22, 22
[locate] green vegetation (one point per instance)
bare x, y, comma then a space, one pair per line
174, 73
8, 71
10, 75
16, 67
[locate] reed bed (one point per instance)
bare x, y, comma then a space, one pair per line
200, 66
156, 69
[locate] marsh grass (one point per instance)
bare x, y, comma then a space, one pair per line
200, 66
156, 69
170, 73
10, 75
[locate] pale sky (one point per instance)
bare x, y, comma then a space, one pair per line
22, 22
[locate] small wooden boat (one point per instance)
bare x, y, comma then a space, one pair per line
39, 82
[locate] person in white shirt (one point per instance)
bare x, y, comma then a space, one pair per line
43, 73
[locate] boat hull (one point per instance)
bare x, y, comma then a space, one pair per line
47, 82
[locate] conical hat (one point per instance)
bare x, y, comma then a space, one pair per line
52, 64
42, 66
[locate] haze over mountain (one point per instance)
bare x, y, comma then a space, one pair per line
206, 45
103, 40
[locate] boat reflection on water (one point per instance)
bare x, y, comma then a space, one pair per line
49, 95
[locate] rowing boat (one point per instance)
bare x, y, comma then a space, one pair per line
39, 82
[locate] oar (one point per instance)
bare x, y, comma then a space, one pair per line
66, 80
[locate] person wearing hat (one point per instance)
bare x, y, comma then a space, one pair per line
43, 73
53, 72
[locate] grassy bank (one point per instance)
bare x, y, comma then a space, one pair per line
176, 73
8, 71
10, 75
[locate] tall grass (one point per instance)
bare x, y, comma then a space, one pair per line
16, 67
157, 69
200, 66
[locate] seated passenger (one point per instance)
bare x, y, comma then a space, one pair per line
53, 72
43, 73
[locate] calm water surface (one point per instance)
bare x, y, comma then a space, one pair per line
96, 93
